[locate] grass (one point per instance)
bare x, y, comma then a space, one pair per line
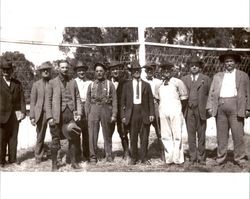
26, 156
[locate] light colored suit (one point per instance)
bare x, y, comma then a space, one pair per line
230, 113
243, 93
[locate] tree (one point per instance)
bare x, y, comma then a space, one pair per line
23, 70
87, 35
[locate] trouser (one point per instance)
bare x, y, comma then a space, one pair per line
196, 126
171, 131
41, 131
100, 113
123, 133
137, 127
8, 137
58, 131
225, 119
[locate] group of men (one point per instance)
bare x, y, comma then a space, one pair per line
74, 109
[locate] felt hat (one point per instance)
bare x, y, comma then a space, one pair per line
45, 65
230, 54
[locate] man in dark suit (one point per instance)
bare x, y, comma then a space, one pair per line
137, 112
198, 86
12, 111
229, 103
117, 78
38, 108
63, 110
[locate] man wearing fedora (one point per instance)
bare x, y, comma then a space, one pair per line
38, 108
229, 103
173, 96
63, 110
198, 86
117, 76
12, 111
101, 108
83, 83
137, 112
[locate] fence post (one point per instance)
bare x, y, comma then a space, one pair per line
142, 53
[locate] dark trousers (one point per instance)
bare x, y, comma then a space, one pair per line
138, 128
227, 118
83, 146
99, 113
196, 128
8, 137
41, 131
123, 133
58, 132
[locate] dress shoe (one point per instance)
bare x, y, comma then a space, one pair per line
38, 160
2, 165
146, 162
202, 162
75, 166
132, 162
109, 159
54, 168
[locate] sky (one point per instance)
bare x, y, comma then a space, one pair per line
44, 20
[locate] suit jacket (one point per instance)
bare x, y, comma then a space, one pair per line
11, 99
53, 98
37, 99
203, 87
243, 93
127, 102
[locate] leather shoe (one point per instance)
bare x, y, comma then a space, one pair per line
109, 159
132, 162
202, 162
146, 162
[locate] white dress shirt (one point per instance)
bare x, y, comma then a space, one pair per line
135, 100
228, 86
83, 88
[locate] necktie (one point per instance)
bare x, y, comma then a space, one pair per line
193, 79
137, 90
99, 89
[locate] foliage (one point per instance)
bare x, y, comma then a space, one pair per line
23, 70
87, 35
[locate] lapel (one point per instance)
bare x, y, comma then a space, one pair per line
130, 88
189, 81
42, 87
219, 82
143, 86
4, 84
237, 79
200, 81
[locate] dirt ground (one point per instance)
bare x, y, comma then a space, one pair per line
27, 160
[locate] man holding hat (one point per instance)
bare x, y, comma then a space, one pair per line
173, 96
229, 103
38, 108
118, 79
101, 107
137, 112
198, 86
83, 83
12, 111
63, 110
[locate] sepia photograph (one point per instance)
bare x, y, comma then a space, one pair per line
134, 102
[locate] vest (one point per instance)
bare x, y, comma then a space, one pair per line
67, 100
193, 95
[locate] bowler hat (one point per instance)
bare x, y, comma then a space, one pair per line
6, 64
100, 64
45, 65
80, 64
166, 66
230, 54
194, 60
151, 66
134, 65
71, 130
116, 66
